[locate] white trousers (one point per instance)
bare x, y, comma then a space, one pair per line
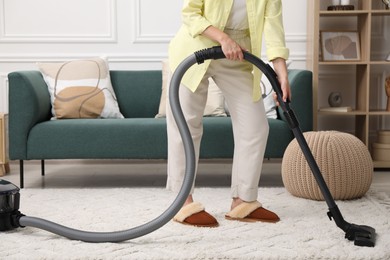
250, 125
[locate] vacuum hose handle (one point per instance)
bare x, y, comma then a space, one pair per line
214, 53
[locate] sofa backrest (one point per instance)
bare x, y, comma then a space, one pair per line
138, 92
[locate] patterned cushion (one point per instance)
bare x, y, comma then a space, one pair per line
80, 89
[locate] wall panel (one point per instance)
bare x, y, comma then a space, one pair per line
58, 21
132, 34
3, 92
156, 27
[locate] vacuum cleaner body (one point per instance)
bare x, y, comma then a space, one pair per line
9, 205
10, 217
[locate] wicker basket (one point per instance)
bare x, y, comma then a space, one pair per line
343, 159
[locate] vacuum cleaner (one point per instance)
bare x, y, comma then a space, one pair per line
11, 217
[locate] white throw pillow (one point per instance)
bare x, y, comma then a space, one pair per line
215, 100
80, 89
268, 97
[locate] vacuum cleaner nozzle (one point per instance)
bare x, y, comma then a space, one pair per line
361, 235
9, 205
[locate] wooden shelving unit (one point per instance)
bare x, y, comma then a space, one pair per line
4, 164
361, 82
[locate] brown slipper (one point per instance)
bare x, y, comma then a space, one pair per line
194, 214
252, 212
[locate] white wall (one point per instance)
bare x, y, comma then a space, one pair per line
133, 34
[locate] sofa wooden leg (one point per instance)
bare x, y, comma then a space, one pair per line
4, 169
43, 167
21, 169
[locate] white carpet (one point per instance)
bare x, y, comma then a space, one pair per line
304, 231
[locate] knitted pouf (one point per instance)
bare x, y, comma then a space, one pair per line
343, 159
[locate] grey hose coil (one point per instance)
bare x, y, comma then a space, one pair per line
168, 214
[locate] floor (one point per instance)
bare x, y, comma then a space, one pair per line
141, 173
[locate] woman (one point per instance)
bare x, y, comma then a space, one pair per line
235, 25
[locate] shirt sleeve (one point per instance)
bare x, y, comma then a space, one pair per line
193, 18
274, 31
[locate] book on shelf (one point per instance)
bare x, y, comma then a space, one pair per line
335, 109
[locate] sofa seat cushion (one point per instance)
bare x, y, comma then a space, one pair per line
137, 138
280, 135
217, 140
134, 138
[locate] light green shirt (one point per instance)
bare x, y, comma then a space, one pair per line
264, 18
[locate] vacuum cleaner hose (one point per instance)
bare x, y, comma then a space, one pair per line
362, 235
168, 214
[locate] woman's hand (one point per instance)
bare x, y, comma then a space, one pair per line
231, 49
285, 85
281, 70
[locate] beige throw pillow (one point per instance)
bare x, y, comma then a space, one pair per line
80, 89
215, 100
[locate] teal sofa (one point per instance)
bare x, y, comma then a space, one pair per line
33, 136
